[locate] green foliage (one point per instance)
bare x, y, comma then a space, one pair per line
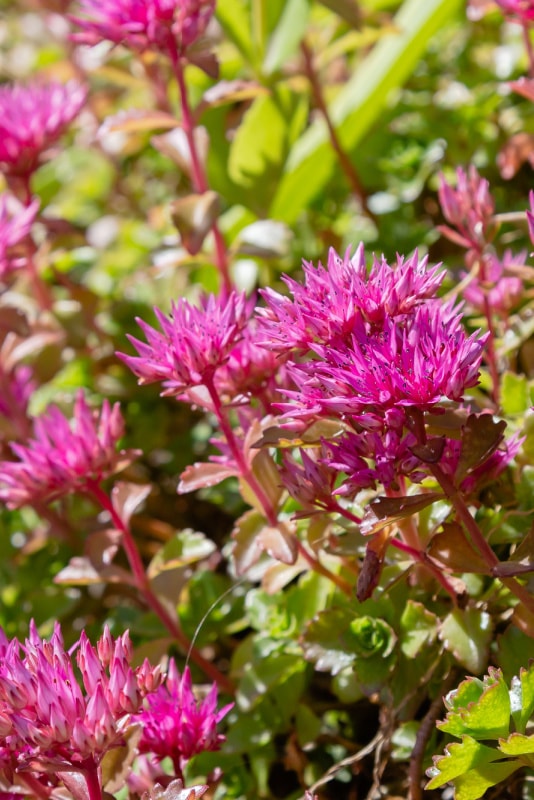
482, 711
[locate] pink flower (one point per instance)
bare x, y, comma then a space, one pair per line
171, 25
500, 290
468, 208
195, 342
15, 225
64, 456
521, 9
32, 118
49, 718
175, 724
334, 299
310, 480
413, 364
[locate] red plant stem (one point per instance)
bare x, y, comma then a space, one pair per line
528, 48
344, 160
36, 787
200, 180
244, 468
490, 345
424, 559
271, 513
92, 779
316, 565
477, 537
143, 585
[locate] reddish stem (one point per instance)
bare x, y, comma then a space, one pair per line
200, 180
316, 565
424, 559
344, 160
92, 779
143, 585
477, 537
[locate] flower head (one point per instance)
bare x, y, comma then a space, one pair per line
498, 287
175, 724
193, 344
418, 363
50, 717
171, 25
333, 300
64, 455
32, 118
523, 10
15, 225
468, 208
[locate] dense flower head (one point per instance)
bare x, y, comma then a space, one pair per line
194, 342
177, 725
519, 9
60, 710
418, 363
64, 455
171, 25
375, 457
310, 480
15, 225
333, 300
468, 208
32, 118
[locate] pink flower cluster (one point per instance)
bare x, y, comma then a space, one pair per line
64, 456
167, 25
51, 721
523, 10
32, 118
175, 724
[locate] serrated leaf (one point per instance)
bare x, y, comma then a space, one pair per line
517, 744
323, 640
460, 759
474, 783
467, 634
419, 628
247, 549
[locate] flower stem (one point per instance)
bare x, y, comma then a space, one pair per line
151, 599
200, 180
92, 779
477, 537
424, 559
345, 162
316, 565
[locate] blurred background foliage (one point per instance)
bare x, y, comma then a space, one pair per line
413, 88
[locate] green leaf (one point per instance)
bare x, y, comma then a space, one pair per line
461, 759
523, 693
473, 784
287, 35
184, 548
359, 103
517, 744
233, 17
418, 628
467, 634
480, 710
515, 396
